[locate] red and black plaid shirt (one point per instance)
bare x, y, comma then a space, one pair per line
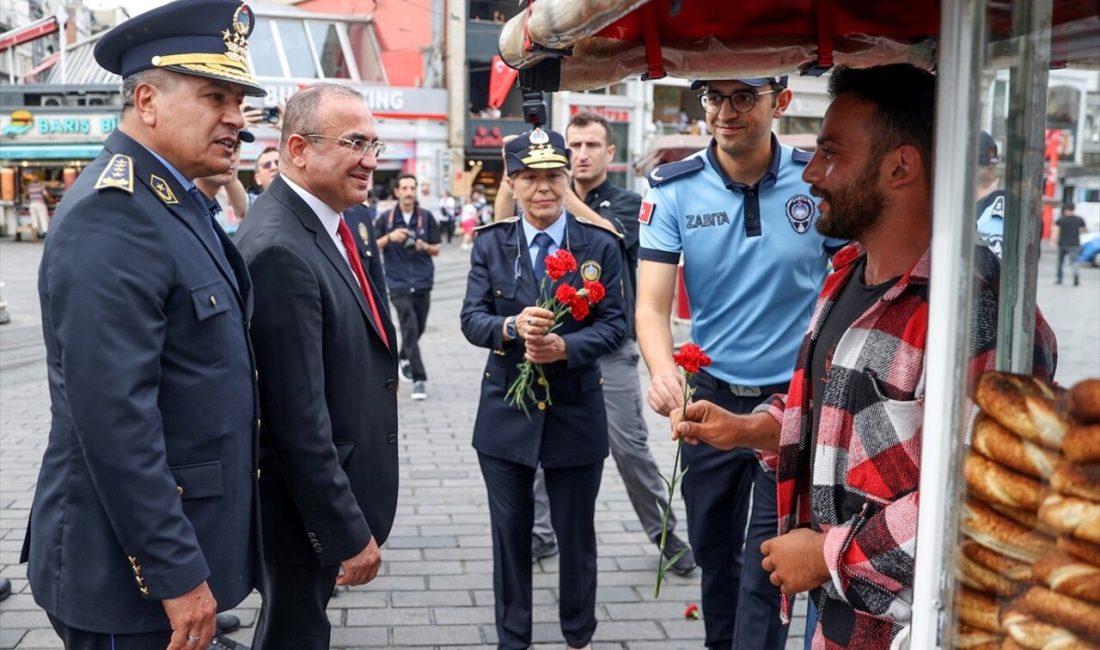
864, 490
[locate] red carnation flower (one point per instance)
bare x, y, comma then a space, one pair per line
567, 259
566, 293
595, 290
692, 612
691, 358
579, 308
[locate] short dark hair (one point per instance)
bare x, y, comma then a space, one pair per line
302, 113
1068, 205
904, 97
401, 177
584, 118
159, 77
268, 149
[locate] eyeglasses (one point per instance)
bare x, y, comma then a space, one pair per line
741, 101
271, 164
357, 147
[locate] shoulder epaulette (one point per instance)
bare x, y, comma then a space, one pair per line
801, 156
593, 224
669, 171
496, 223
118, 175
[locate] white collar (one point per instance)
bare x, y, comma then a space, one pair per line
330, 218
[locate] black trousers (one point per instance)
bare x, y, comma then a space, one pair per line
740, 604
447, 228
412, 316
572, 492
293, 613
75, 639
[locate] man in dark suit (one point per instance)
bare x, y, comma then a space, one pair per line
567, 435
145, 520
328, 372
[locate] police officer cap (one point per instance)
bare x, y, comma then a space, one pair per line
537, 149
206, 38
987, 150
751, 81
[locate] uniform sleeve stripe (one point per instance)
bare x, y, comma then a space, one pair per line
654, 255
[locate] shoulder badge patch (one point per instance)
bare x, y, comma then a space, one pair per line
801, 156
645, 214
800, 210
118, 175
591, 270
163, 191
672, 170
496, 223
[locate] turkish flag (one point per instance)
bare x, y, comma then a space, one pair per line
501, 80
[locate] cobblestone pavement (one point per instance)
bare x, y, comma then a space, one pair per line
435, 587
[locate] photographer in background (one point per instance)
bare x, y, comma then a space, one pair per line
409, 238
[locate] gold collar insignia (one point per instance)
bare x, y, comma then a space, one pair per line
161, 188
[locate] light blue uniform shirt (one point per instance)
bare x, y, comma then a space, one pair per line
753, 261
991, 221
556, 231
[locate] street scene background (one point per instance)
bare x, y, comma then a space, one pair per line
435, 586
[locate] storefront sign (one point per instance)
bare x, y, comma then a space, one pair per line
609, 114
384, 101
48, 127
487, 136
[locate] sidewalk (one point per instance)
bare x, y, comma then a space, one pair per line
435, 587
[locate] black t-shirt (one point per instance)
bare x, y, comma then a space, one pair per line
406, 268
1069, 230
854, 301
621, 207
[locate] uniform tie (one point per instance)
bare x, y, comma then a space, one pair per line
543, 241
211, 235
357, 268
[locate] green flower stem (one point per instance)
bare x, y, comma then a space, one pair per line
664, 565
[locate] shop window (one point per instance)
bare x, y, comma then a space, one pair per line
296, 44
330, 52
262, 48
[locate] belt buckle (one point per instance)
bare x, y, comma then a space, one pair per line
745, 391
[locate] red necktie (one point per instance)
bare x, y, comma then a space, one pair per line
357, 268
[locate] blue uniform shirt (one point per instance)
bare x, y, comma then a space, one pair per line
991, 220
556, 231
753, 261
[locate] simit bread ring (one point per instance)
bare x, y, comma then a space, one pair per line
1078, 480
1078, 616
1077, 517
1068, 575
1026, 518
983, 525
994, 483
978, 610
971, 638
998, 443
1082, 443
1081, 550
1030, 632
1083, 401
1002, 564
974, 575
1023, 404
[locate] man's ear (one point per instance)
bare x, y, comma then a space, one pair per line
782, 102
146, 97
903, 166
295, 150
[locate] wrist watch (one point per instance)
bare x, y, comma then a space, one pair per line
510, 327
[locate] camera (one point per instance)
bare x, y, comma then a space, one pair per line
270, 114
534, 107
410, 241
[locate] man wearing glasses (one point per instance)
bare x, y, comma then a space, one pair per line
741, 216
267, 168
327, 370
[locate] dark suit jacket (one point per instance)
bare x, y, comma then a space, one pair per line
147, 485
361, 222
572, 431
328, 388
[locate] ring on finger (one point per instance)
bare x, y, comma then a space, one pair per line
192, 639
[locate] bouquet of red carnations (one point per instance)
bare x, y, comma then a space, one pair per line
565, 298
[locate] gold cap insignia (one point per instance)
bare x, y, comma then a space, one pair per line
591, 270
119, 174
161, 188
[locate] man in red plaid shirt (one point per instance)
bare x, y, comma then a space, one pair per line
845, 440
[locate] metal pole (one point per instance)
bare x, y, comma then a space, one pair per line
1026, 130
947, 351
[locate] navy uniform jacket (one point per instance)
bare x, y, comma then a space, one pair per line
328, 387
573, 430
147, 485
361, 222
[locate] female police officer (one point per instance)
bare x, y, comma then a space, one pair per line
568, 437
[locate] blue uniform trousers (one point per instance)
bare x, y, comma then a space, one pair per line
740, 604
75, 639
572, 492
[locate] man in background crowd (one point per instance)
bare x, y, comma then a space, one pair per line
1067, 233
